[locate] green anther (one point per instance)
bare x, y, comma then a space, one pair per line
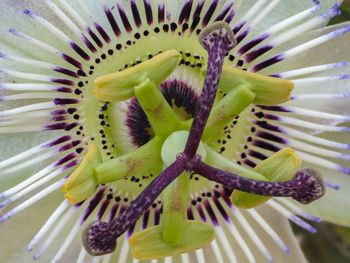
175, 144
268, 90
119, 86
160, 115
149, 244
175, 198
279, 167
82, 182
235, 101
143, 160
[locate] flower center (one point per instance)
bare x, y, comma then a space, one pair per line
142, 81
181, 97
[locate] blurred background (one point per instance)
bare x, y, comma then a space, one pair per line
331, 243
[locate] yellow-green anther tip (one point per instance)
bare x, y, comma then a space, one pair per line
148, 244
268, 91
279, 167
119, 86
82, 182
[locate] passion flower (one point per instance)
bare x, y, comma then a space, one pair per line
151, 132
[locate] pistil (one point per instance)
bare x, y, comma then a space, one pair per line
218, 39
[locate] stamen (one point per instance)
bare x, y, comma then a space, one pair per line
276, 28
308, 70
260, 220
64, 220
49, 223
58, 33
47, 47
32, 200
291, 216
120, 86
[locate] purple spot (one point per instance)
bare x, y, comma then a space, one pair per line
112, 21
3, 55
161, 13
102, 32
201, 213
66, 72
65, 147
79, 51
209, 13
223, 13
266, 125
72, 61
131, 230
29, 13
148, 12
95, 38
5, 203
113, 211
211, 213
185, 12
332, 185
71, 126
157, 217
241, 36
56, 126
338, 32
64, 89
343, 169
238, 27
257, 155
268, 62
17, 33
230, 16
276, 108
124, 19
196, 15
265, 145
93, 204
249, 162
248, 46
257, 53
60, 101
58, 141
89, 45
102, 209
65, 159
63, 81
303, 224
221, 209
145, 219
70, 165
135, 13
334, 11
271, 137
190, 213
316, 2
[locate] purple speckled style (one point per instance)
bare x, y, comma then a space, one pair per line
305, 187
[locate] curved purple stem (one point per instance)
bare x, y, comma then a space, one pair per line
218, 39
306, 186
99, 238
